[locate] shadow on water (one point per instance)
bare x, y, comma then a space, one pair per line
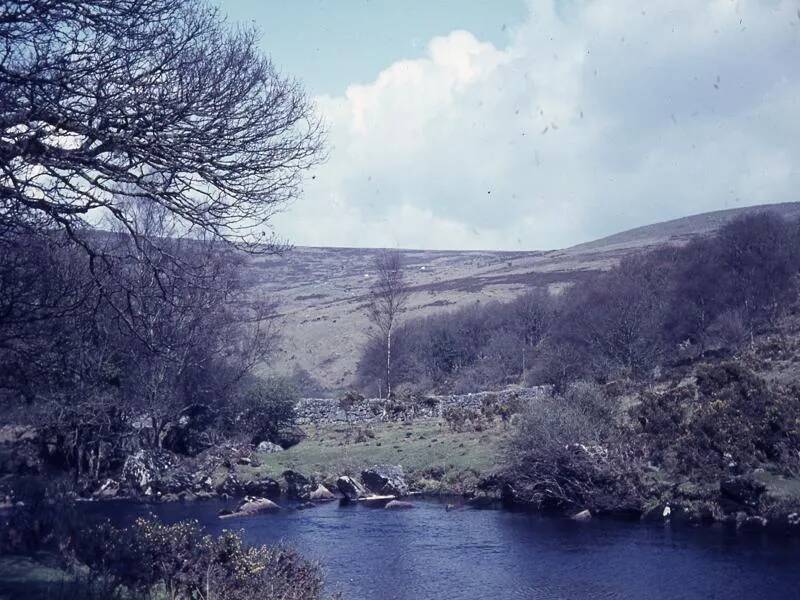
468, 554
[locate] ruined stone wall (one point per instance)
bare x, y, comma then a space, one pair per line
322, 411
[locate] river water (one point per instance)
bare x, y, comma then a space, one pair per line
468, 554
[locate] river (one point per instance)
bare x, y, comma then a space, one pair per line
468, 554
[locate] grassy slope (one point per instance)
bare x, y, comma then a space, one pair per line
418, 447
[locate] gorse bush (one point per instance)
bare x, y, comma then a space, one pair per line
727, 420
180, 562
713, 294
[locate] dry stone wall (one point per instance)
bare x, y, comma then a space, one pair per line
321, 411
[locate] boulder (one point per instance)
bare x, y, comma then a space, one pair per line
289, 436
482, 501
583, 515
398, 505
108, 489
143, 469
740, 492
266, 447
251, 507
350, 488
298, 486
231, 486
263, 488
385, 480
321, 494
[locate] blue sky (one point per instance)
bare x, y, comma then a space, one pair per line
536, 124
331, 44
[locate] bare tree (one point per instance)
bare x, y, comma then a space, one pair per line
157, 97
388, 298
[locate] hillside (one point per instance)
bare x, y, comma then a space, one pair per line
322, 291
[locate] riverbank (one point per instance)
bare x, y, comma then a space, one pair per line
435, 459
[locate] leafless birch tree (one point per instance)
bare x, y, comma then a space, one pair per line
387, 300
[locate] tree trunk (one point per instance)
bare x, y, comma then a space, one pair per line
389, 364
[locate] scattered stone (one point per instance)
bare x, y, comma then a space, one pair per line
751, 522
385, 480
350, 488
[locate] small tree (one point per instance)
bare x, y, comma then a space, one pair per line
388, 298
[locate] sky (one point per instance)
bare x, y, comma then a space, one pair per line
514, 125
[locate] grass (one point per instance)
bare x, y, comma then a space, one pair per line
423, 448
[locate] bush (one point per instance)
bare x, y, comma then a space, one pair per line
560, 455
265, 410
180, 561
728, 419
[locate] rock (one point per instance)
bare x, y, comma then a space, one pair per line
264, 488
231, 486
385, 480
305, 505
398, 505
321, 494
109, 489
266, 447
738, 492
350, 488
251, 507
289, 436
584, 515
481, 501
143, 469
751, 523
298, 486
793, 519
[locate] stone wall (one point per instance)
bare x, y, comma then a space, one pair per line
320, 411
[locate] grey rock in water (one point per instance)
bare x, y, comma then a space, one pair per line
298, 486
321, 494
385, 480
251, 507
350, 488
398, 505
584, 515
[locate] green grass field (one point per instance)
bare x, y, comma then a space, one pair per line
422, 448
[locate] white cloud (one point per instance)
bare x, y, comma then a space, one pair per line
598, 116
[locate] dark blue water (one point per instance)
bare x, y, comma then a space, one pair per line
467, 554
